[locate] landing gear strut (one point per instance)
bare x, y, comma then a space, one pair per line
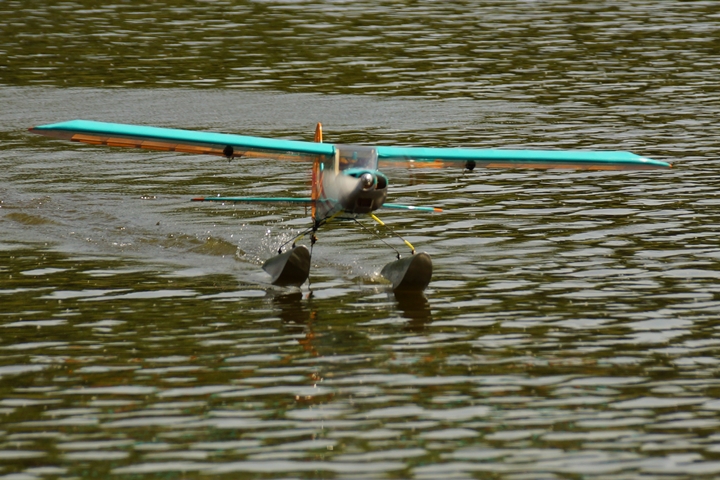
292, 268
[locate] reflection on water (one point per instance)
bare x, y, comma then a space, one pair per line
571, 326
292, 309
415, 307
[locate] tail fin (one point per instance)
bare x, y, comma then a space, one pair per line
315, 195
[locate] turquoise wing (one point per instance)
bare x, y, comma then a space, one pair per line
230, 145
187, 141
305, 201
471, 158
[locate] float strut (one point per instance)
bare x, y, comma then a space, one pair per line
412, 249
397, 254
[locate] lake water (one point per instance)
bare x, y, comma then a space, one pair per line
571, 327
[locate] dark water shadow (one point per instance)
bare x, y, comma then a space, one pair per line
415, 307
291, 308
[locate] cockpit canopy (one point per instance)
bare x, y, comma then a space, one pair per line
355, 157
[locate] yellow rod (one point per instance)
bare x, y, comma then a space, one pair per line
372, 215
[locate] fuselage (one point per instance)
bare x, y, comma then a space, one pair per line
352, 183
368, 194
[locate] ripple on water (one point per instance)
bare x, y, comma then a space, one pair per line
570, 327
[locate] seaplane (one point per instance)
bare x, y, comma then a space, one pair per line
346, 183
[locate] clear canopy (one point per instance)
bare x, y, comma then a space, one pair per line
356, 156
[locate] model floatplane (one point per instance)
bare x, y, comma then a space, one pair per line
346, 180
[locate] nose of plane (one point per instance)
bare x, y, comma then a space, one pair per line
367, 180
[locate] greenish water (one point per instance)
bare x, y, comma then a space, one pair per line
570, 330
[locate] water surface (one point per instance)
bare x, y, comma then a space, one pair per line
570, 328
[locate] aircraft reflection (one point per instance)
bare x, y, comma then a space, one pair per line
297, 311
415, 307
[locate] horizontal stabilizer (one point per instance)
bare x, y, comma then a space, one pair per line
411, 207
305, 201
